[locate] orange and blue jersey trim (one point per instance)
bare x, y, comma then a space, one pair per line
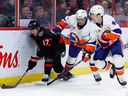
62, 24
115, 34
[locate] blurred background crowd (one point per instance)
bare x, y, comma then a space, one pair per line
50, 12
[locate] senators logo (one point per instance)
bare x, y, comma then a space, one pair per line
8, 60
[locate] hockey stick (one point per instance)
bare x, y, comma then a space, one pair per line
78, 43
64, 72
14, 86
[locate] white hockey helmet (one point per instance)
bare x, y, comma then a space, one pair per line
97, 9
81, 14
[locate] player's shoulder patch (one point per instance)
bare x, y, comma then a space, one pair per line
108, 17
109, 20
40, 33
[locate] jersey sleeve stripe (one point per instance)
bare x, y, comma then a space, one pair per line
113, 35
63, 23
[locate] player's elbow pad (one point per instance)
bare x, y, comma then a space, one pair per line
57, 30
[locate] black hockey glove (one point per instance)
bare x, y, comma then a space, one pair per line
32, 62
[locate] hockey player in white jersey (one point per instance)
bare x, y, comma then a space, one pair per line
109, 37
80, 32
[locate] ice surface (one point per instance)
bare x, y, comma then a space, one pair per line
80, 86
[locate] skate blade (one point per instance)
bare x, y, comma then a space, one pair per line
41, 84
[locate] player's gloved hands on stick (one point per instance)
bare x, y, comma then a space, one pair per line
32, 62
74, 39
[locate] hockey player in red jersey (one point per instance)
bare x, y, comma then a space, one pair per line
50, 46
109, 38
80, 32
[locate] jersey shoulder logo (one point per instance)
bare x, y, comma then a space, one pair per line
40, 33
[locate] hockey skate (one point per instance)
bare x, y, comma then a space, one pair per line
68, 76
45, 78
112, 70
121, 80
97, 77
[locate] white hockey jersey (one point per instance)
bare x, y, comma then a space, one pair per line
88, 32
108, 31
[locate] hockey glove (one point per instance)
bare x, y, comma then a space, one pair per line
32, 62
105, 34
74, 39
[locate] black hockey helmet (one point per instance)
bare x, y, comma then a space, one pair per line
33, 24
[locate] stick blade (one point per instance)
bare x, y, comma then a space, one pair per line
7, 87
